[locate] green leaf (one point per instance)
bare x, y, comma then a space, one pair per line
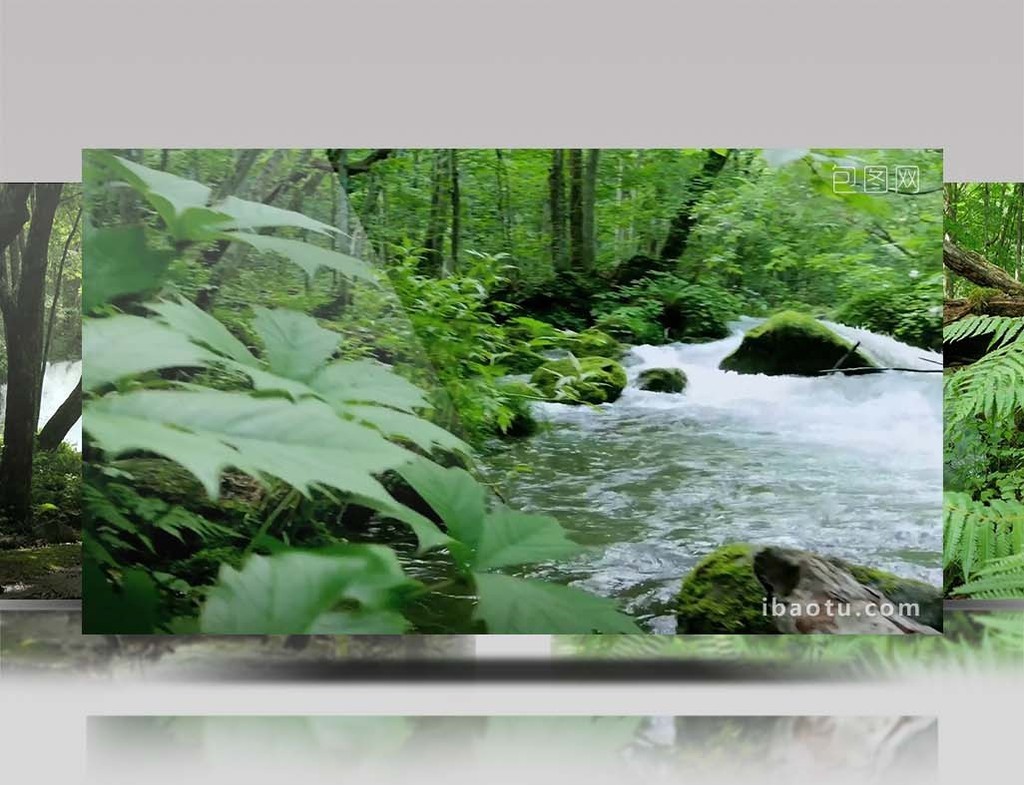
296, 345
427, 534
121, 346
365, 381
516, 606
130, 608
304, 443
202, 328
256, 215
297, 592
510, 537
307, 256
395, 424
452, 493
118, 262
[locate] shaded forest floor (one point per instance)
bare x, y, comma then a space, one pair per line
50, 572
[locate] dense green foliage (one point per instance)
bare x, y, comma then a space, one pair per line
295, 445
984, 405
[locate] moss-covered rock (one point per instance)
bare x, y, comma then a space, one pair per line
723, 593
518, 396
584, 380
667, 380
791, 343
594, 343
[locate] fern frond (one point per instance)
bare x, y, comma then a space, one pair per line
1003, 329
1001, 579
977, 534
993, 387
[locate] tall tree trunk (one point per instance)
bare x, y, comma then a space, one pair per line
576, 209
1020, 230
504, 200
57, 427
453, 165
556, 207
682, 224
433, 241
56, 291
589, 223
23, 303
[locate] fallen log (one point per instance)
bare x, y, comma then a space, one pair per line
1001, 306
976, 269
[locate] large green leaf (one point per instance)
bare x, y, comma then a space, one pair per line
365, 381
256, 215
510, 537
297, 592
296, 345
202, 328
303, 443
395, 424
452, 493
118, 262
310, 258
122, 346
515, 606
427, 534
132, 607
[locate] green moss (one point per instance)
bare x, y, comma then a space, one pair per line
29, 564
722, 595
901, 590
594, 343
667, 380
791, 343
584, 380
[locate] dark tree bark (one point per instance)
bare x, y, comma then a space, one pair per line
556, 207
682, 224
977, 269
576, 209
953, 310
22, 296
57, 427
433, 241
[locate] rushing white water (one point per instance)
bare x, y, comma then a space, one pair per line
59, 381
841, 465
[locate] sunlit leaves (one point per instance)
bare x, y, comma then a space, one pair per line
202, 328
351, 589
452, 493
296, 346
510, 537
249, 215
367, 382
311, 258
514, 606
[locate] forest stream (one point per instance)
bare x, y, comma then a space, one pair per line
841, 465
59, 380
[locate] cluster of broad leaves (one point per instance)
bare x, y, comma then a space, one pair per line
984, 499
303, 419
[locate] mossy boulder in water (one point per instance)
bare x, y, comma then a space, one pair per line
594, 343
791, 343
580, 380
666, 380
726, 591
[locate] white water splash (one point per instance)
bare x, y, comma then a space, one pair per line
59, 381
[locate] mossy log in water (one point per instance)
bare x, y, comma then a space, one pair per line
666, 380
584, 380
792, 343
726, 592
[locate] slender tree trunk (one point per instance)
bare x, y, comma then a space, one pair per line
453, 165
57, 427
682, 224
588, 197
504, 200
23, 305
56, 291
1020, 230
556, 207
576, 235
433, 241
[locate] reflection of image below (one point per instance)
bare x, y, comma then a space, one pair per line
496, 749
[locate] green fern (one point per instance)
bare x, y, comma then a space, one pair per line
1001, 579
1003, 329
976, 533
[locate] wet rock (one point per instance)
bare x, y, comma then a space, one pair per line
792, 343
667, 380
584, 380
730, 589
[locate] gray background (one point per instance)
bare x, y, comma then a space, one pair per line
471, 73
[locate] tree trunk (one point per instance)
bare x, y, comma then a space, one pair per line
576, 209
433, 241
589, 197
977, 269
23, 308
556, 206
682, 224
57, 427
453, 165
